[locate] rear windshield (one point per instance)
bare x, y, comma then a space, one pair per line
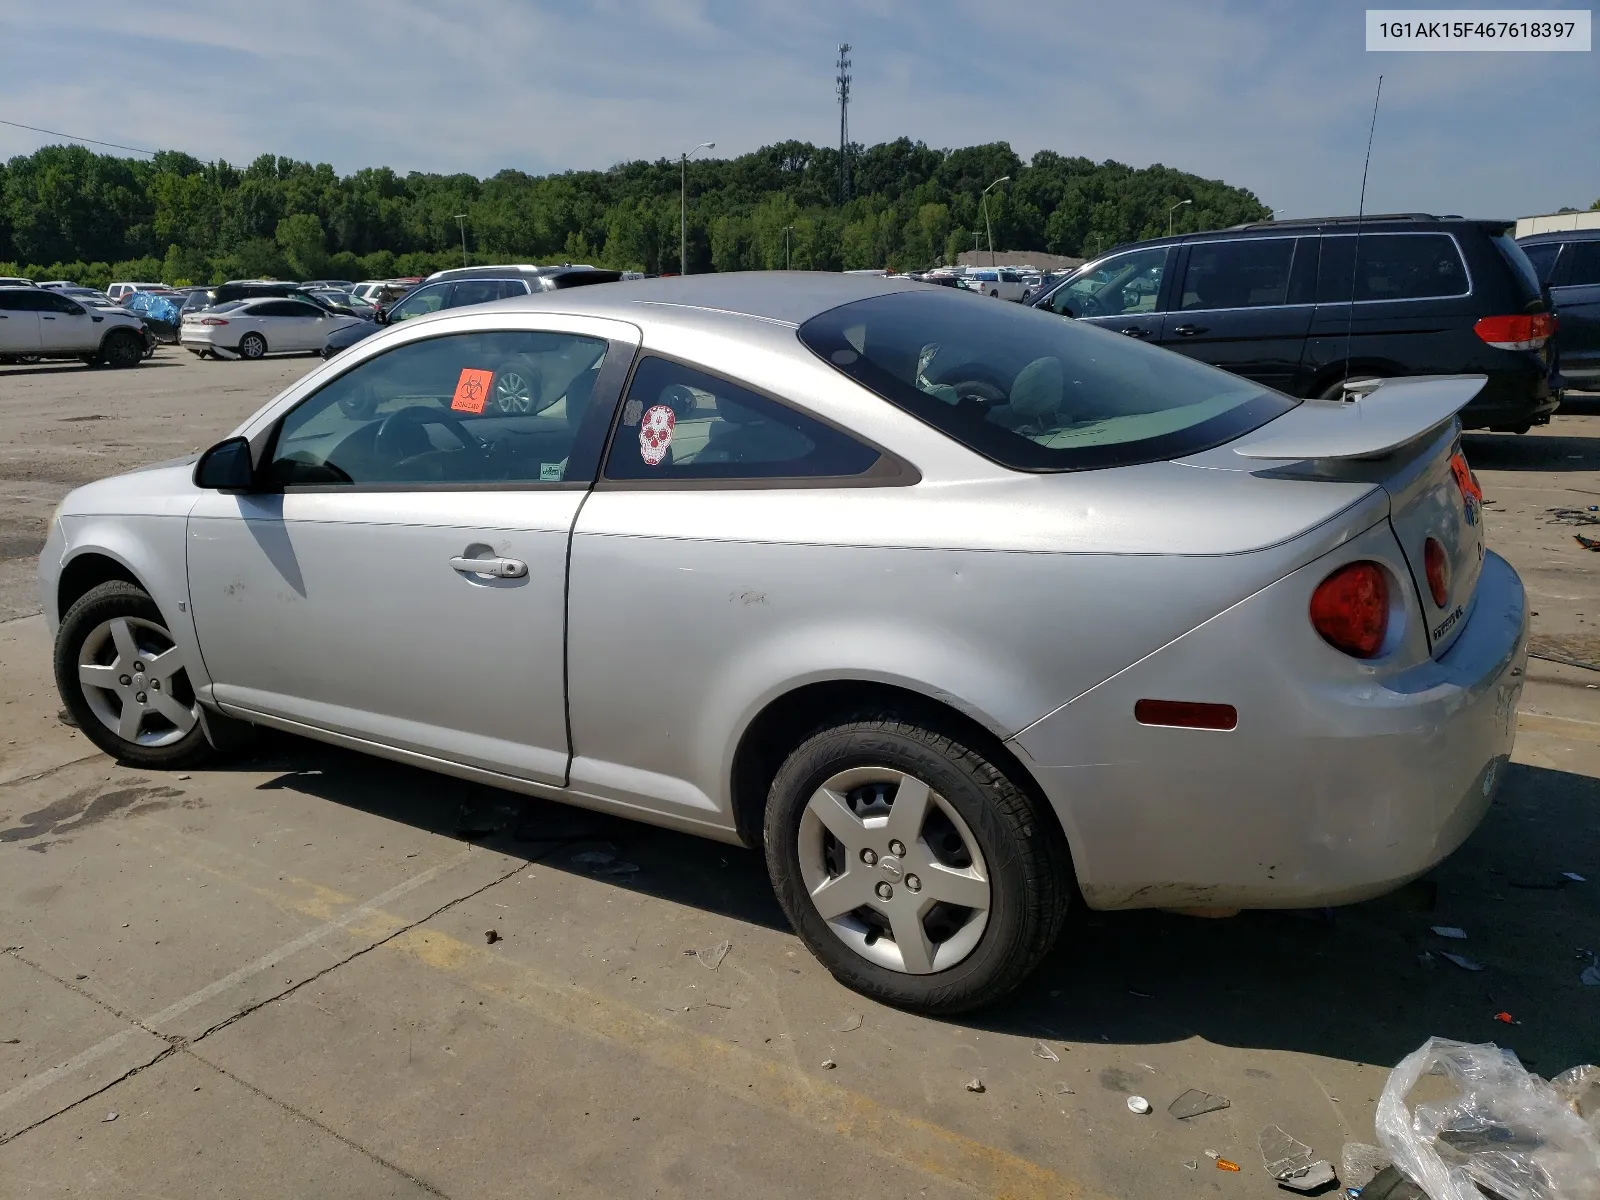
1031, 390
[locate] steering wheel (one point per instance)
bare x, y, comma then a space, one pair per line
974, 381
391, 440
1089, 305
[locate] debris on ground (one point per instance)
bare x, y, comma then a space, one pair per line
11, 1041
1504, 1131
1506, 1018
491, 936
1192, 1164
1590, 976
1425, 960
976, 1085
593, 858
852, 1023
711, 957
1138, 1105
110, 1116
1586, 543
1226, 1164
1461, 960
1571, 516
1454, 932
828, 1064
1063, 1090
1358, 1163
1194, 1102
1292, 1163
1040, 1050
1574, 876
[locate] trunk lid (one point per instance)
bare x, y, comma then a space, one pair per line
1401, 435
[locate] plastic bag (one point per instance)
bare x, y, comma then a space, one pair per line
1506, 1129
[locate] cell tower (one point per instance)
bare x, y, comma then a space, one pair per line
843, 80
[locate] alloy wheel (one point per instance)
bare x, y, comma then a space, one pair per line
134, 682
513, 392
894, 870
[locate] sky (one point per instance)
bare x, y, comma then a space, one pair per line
1275, 97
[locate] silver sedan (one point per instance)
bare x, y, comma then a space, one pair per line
965, 615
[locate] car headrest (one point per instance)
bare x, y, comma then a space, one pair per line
1038, 388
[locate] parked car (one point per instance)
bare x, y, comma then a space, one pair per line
36, 322
57, 284
821, 564
118, 291
465, 286
16, 281
343, 285
161, 313
1272, 302
997, 283
343, 303
254, 328
1568, 263
252, 289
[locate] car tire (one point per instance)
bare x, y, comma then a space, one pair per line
115, 632
252, 345
995, 295
122, 348
517, 388
976, 835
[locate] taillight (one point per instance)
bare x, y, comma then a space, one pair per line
1350, 609
212, 321
1436, 565
1522, 332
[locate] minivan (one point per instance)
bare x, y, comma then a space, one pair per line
1568, 263
1278, 302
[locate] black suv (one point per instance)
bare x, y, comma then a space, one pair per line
1272, 302
1568, 263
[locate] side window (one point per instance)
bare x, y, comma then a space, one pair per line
1128, 283
54, 302
1247, 273
1394, 266
682, 424
420, 303
272, 308
477, 291
1585, 264
13, 302
1543, 258
505, 407
299, 308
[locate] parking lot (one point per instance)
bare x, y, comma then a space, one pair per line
311, 973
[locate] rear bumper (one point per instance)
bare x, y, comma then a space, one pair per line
1329, 791
1512, 398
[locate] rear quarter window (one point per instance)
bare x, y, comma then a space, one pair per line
1527, 274
1393, 266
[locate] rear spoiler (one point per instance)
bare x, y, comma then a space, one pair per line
1384, 415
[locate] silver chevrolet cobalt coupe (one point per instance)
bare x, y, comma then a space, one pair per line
966, 614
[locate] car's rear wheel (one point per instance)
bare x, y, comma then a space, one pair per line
123, 348
912, 866
124, 680
252, 345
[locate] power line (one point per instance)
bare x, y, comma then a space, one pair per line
71, 138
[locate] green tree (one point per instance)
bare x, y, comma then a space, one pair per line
301, 239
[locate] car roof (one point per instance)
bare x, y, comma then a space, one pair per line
787, 297
1376, 223
1560, 235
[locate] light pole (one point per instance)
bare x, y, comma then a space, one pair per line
787, 230
1172, 210
461, 220
683, 209
983, 199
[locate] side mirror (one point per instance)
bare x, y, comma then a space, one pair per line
380, 316
226, 467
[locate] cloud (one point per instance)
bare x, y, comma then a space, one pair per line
1272, 96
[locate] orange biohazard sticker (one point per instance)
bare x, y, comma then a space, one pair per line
472, 390
1465, 479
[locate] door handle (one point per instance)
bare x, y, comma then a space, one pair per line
500, 568
1189, 330
49, 318
1135, 331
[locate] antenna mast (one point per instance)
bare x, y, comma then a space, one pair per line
842, 79
1355, 258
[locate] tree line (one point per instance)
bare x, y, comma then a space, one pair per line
67, 212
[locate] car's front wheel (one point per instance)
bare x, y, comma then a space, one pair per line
124, 680
252, 345
123, 348
912, 866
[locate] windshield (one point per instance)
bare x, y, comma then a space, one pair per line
1033, 391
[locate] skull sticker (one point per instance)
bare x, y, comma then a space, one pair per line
655, 434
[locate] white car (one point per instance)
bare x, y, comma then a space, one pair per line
271, 325
39, 323
996, 282
119, 291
